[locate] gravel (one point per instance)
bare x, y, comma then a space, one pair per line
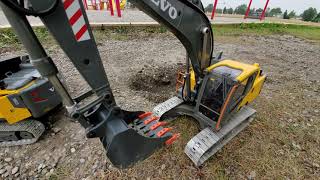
14, 170
56, 130
2, 171
8, 159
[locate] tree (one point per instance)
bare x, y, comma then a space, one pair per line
275, 11
230, 11
241, 9
285, 15
267, 13
209, 8
317, 18
292, 14
218, 10
260, 10
224, 10
131, 5
252, 11
309, 14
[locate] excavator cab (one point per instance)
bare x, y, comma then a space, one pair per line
227, 86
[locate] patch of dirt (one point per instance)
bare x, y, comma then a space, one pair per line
156, 83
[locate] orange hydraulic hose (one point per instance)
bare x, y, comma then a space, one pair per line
225, 106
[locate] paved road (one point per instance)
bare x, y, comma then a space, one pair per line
129, 17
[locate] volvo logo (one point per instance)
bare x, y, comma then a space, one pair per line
166, 6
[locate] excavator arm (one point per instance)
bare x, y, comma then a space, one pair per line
128, 137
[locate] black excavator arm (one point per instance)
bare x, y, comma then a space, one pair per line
128, 137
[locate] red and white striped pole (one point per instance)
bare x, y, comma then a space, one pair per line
111, 7
264, 10
85, 4
118, 8
248, 10
214, 8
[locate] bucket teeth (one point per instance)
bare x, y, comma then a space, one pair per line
149, 125
155, 126
146, 114
163, 132
149, 120
172, 139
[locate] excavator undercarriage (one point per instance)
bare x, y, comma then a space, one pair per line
215, 92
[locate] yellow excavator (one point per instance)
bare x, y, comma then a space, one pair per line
213, 91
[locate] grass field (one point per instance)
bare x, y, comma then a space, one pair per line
305, 32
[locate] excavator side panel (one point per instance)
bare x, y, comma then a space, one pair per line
10, 113
254, 91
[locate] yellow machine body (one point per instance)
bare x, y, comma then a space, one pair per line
8, 111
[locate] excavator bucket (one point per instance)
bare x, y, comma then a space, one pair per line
126, 145
129, 137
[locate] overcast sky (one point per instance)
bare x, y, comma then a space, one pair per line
297, 5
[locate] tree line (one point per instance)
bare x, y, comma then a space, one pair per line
309, 14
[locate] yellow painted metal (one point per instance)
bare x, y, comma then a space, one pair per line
104, 4
5, 92
11, 114
254, 91
247, 69
123, 3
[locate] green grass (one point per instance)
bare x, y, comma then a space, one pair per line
301, 31
126, 33
8, 39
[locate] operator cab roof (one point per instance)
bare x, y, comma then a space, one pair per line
236, 70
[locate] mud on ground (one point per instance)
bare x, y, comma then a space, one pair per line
282, 142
